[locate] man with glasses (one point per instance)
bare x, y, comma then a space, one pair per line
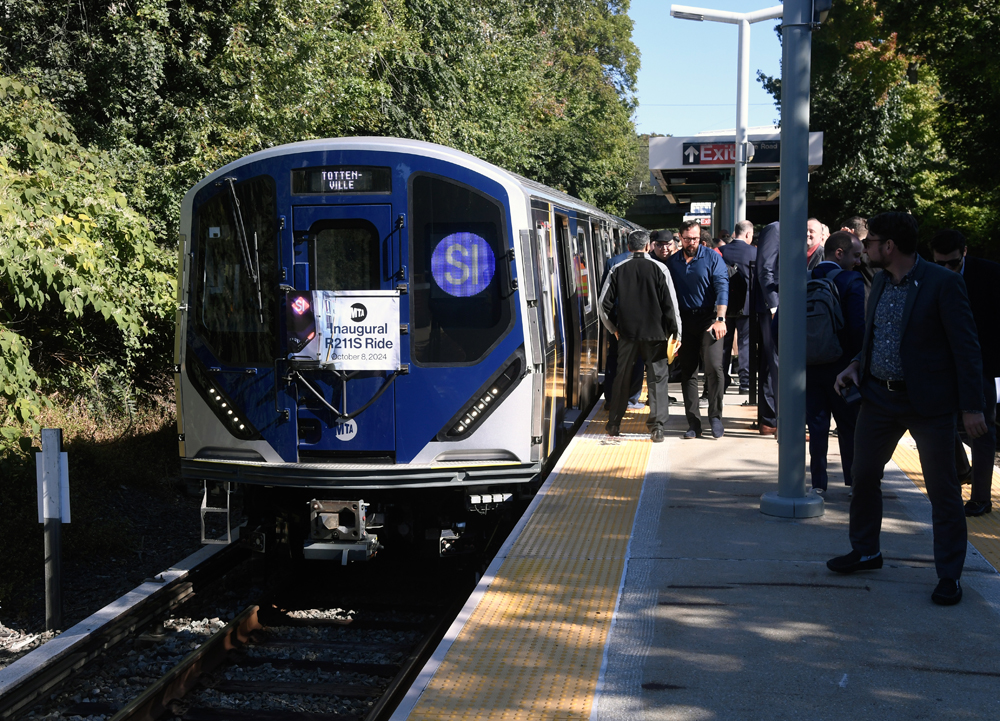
982, 283
918, 367
702, 285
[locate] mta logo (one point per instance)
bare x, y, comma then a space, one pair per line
358, 312
346, 431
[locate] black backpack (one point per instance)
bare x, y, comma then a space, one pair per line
824, 320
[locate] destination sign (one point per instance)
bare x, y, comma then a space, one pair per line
341, 179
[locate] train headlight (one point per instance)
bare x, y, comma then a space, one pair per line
484, 400
220, 403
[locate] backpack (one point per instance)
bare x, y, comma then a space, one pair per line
824, 320
737, 291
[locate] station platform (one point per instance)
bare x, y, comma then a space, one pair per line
645, 583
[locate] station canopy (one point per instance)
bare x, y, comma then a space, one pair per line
699, 168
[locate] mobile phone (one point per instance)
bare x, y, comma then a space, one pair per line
850, 393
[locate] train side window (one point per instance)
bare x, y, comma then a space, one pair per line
546, 267
585, 262
228, 308
345, 255
459, 308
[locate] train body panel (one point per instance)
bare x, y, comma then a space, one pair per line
368, 314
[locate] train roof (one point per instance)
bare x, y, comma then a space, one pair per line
418, 147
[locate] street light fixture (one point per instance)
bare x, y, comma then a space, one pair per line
743, 149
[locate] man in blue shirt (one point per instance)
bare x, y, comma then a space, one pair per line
702, 285
841, 257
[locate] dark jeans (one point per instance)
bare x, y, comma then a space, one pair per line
885, 415
697, 344
657, 374
611, 372
821, 401
983, 448
768, 372
740, 324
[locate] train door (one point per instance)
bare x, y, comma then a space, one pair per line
542, 255
572, 312
589, 332
345, 248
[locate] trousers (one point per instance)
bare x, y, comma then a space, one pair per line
741, 324
698, 345
884, 416
657, 375
822, 400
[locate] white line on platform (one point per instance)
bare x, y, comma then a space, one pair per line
423, 679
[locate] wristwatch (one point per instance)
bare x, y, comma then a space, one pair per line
720, 319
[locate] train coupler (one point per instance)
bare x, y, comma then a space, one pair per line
337, 530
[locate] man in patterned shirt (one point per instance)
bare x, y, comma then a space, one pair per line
918, 367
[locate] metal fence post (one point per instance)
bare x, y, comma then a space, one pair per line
53, 510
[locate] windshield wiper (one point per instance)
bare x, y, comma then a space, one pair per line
250, 262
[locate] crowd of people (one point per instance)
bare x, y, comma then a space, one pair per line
895, 343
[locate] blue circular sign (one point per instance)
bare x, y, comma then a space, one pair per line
463, 264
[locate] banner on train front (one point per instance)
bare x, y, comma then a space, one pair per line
360, 330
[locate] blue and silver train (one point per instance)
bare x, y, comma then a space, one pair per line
381, 340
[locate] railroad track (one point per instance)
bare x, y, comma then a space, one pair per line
305, 653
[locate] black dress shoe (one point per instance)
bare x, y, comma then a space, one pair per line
852, 562
612, 430
657, 435
947, 593
978, 508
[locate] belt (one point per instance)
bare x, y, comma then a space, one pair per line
890, 385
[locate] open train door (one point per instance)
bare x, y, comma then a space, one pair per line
343, 327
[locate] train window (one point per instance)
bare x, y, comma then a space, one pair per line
459, 309
236, 260
345, 255
585, 261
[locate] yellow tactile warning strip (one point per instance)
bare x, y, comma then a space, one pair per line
534, 644
984, 531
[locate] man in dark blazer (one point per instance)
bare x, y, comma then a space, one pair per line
766, 304
738, 252
982, 283
918, 367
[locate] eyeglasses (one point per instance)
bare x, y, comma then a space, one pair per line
869, 240
691, 240
952, 263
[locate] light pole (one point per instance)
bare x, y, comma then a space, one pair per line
744, 20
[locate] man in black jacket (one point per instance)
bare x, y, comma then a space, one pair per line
739, 253
647, 315
982, 283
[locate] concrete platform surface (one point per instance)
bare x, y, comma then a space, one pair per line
726, 613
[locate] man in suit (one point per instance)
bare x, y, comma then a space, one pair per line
918, 367
982, 283
841, 256
766, 304
738, 252
611, 364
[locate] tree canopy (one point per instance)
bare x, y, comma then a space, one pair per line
111, 110
906, 94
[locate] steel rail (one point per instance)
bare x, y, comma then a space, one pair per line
64, 666
179, 680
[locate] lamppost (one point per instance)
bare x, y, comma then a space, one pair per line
744, 20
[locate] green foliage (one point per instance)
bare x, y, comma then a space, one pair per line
906, 94
82, 281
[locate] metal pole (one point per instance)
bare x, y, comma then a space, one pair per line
51, 450
742, 113
791, 500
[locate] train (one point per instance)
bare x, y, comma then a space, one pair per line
381, 340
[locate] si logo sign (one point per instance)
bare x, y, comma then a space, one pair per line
346, 431
358, 312
463, 264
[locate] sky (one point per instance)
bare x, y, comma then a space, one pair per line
687, 80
